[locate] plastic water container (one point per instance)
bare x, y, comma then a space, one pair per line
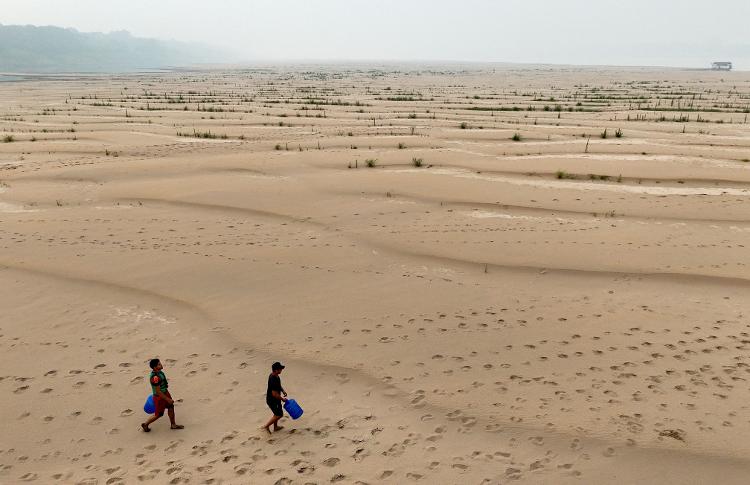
294, 409
149, 407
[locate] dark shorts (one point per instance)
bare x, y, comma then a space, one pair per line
160, 405
275, 406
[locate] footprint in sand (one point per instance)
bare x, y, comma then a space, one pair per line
147, 477
513, 473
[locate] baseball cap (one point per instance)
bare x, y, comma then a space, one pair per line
277, 365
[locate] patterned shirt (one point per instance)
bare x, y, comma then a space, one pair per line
158, 382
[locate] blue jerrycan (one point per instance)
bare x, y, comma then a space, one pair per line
294, 409
149, 407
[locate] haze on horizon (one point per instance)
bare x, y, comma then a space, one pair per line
680, 33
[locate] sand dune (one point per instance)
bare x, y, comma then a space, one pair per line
453, 305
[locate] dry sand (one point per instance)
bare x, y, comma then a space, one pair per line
533, 311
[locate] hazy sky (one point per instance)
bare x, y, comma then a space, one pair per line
643, 32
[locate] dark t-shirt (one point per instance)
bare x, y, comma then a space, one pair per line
274, 384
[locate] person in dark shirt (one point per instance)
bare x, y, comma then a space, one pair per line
275, 395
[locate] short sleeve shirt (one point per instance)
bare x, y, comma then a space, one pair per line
158, 381
274, 384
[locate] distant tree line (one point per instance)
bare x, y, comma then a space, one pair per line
54, 49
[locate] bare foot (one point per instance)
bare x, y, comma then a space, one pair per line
177, 426
276, 428
266, 428
145, 428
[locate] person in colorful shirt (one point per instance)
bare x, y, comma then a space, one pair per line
162, 399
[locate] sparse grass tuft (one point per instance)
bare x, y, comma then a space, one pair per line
565, 175
202, 134
8, 139
401, 146
371, 162
604, 134
618, 133
417, 162
464, 125
517, 137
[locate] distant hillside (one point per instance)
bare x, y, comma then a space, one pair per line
54, 49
